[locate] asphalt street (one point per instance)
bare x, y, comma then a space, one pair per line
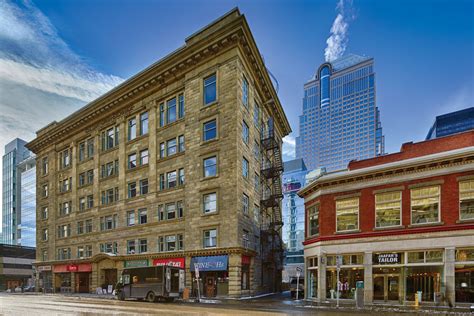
38, 304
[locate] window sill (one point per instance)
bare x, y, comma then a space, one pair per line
210, 178
137, 197
210, 141
171, 189
108, 177
85, 185
65, 192
106, 151
136, 139
178, 154
348, 232
426, 224
136, 168
209, 105
467, 220
210, 213
168, 125
389, 228
85, 160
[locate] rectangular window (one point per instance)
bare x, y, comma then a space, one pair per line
44, 212
89, 251
82, 151
90, 176
256, 182
45, 166
245, 204
181, 106
45, 190
143, 186
171, 110
142, 216
210, 166
256, 213
313, 220
132, 161
170, 211
161, 244
171, 147
256, 150
181, 176
245, 93
110, 138
82, 203
210, 203
245, 239
89, 226
209, 130
425, 205
144, 123
388, 208
180, 241
256, 115
90, 148
181, 143
347, 214
130, 218
245, 168
179, 206
80, 252
210, 238
80, 227
130, 247
245, 132
132, 190
162, 114
132, 128
162, 150
162, 182
143, 245
210, 91
144, 157
171, 179
466, 199
170, 243
45, 234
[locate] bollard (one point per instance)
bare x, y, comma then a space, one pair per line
416, 300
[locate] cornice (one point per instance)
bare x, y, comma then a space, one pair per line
158, 255
119, 101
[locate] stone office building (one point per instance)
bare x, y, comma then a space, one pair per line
177, 165
403, 224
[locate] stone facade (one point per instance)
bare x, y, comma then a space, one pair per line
224, 48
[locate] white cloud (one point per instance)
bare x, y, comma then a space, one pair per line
337, 41
289, 146
41, 78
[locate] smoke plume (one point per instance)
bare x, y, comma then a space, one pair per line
337, 41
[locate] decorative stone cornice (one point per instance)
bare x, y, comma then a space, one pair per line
229, 31
158, 255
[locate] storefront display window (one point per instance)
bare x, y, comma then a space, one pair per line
464, 283
425, 256
312, 277
347, 282
463, 255
426, 279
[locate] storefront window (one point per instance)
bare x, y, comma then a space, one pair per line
347, 282
466, 199
425, 205
465, 254
464, 283
312, 266
347, 214
425, 256
387, 209
426, 279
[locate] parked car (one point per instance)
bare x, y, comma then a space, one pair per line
29, 288
294, 289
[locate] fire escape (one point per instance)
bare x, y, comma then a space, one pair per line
270, 205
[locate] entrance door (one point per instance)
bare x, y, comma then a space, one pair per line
110, 277
82, 282
386, 287
210, 287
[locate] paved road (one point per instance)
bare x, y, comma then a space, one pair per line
38, 305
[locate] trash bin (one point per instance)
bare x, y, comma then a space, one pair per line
438, 298
359, 294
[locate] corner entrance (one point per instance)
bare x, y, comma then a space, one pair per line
386, 287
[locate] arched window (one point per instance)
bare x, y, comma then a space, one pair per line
324, 85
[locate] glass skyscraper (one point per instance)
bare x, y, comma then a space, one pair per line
340, 120
293, 216
15, 152
26, 219
452, 123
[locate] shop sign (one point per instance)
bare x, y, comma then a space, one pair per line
174, 262
388, 258
211, 263
72, 268
43, 268
135, 263
245, 259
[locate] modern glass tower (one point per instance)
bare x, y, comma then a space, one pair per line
452, 123
15, 152
26, 218
293, 216
340, 120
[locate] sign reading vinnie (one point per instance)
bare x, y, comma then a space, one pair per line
388, 258
211, 263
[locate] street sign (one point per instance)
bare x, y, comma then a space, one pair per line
299, 269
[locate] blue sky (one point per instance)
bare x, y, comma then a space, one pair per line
57, 55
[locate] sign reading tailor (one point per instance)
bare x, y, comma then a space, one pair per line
211, 263
388, 258
174, 262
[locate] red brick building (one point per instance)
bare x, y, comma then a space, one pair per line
403, 223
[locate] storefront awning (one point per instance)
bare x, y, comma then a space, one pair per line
211, 263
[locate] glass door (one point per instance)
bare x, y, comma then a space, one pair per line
393, 287
379, 288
